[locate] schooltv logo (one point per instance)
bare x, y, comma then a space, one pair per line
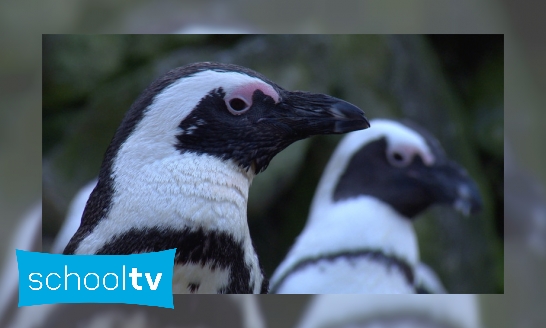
143, 279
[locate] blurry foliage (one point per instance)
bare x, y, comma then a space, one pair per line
90, 81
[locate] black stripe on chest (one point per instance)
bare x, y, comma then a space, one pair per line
217, 249
375, 255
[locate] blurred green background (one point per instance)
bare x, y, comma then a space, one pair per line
452, 85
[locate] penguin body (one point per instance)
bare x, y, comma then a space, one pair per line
178, 171
359, 236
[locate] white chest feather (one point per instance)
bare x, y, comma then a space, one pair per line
347, 276
196, 191
361, 223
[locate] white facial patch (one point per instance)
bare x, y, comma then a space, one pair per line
402, 139
155, 135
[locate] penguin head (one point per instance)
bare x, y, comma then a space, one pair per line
229, 112
403, 165
206, 120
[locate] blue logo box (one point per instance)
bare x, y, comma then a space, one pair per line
143, 279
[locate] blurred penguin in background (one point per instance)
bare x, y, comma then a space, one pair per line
359, 237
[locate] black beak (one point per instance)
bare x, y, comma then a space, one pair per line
347, 117
307, 114
452, 185
269, 126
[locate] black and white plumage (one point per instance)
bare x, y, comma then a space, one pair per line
178, 170
359, 236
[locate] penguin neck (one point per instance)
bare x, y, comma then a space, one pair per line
362, 223
188, 189
176, 192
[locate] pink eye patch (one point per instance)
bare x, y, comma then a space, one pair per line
245, 92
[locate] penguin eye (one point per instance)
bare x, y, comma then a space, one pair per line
399, 159
237, 106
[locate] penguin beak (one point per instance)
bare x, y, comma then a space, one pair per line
452, 185
307, 114
347, 117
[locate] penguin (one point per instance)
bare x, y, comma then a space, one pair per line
178, 170
359, 236
392, 311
